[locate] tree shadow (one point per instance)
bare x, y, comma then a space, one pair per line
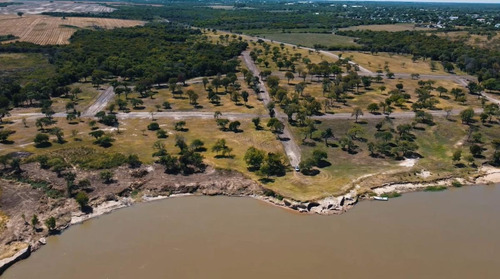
323, 164
266, 180
87, 209
43, 145
224, 156
310, 172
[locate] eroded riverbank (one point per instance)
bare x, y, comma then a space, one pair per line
153, 184
420, 235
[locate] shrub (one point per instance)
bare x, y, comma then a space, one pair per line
161, 134
153, 126
133, 161
82, 199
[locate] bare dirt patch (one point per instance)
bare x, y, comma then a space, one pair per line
46, 30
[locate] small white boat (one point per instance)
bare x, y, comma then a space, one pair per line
378, 198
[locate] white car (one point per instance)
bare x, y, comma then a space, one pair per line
297, 169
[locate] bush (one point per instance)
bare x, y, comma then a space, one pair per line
456, 184
133, 161
153, 126
82, 199
161, 134
41, 140
106, 176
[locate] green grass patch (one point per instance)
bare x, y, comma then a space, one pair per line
391, 195
45, 186
435, 188
456, 184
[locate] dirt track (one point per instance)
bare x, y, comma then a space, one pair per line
289, 144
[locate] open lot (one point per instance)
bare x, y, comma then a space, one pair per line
396, 63
45, 30
389, 27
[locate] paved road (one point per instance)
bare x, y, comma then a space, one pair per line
408, 114
289, 144
100, 103
178, 115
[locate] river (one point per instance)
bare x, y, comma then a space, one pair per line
450, 234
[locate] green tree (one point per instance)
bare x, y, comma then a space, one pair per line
221, 147
35, 221
50, 223
256, 123
254, 158
289, 76
234, 126
180, 126
221, 122
467, 115
133, 161
319, 156
106, 176
197, 145
326, 134
457, 155
41, 140
357, 112
373, 107
82, 199
476, 150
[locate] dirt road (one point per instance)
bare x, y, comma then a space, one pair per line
100, 103
289, 144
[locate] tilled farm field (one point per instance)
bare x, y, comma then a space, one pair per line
45, 30
38, 7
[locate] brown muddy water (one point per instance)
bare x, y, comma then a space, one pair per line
450, 234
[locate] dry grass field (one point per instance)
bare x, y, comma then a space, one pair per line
45, 30
396, 63
389, 27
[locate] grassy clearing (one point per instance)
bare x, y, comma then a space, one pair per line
389, 27
374, 95
182, 103
85, 99
25, 66
310, 39
136, 139
396, 63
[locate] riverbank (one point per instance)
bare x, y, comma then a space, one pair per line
20, 200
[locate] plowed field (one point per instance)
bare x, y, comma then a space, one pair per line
45, 30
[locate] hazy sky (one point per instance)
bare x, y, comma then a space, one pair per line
444, 1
